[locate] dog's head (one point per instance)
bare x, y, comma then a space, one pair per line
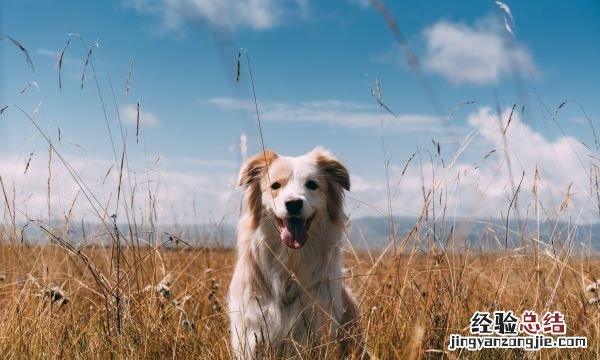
294, 191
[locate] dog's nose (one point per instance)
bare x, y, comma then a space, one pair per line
294, 206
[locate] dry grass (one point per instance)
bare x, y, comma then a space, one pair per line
172, 302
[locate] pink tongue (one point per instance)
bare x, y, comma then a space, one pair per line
293, 233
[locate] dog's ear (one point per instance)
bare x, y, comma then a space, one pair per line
338, 179
255, 166
250, 179
333, 168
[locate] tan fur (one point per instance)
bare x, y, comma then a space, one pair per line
282, 299
337, 176
349, 336
250, 176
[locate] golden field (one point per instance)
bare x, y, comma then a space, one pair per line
60, 302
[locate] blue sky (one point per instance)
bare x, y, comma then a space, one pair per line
314, 64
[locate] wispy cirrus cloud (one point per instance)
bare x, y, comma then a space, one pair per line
333, 113
223, 15
209, 163
48, 53
129, 115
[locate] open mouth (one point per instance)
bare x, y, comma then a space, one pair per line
294, 231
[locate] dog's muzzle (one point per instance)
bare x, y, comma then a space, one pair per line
294, 231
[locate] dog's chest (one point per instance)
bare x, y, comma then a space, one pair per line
304, 292
297, 278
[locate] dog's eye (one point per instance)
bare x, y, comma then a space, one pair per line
275, 185
312, 185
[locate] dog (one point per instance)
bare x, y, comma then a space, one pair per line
287, 291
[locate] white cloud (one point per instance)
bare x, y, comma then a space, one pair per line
228, 15
129, 114
174, 185
212, 163
483, 189
71, 66
333, 113
48, 53
479, 54
474, 189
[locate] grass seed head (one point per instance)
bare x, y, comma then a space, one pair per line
56, 295
164, 286
593, 287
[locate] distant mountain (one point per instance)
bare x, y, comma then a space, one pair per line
368, 232
374, 232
